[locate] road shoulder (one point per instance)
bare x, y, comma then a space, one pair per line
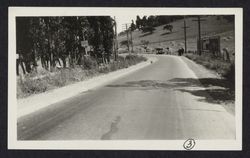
36, 102
203, 73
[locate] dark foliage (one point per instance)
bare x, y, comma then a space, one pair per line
149, 29
58, 39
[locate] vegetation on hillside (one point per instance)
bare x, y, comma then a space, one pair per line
147, 24
219, 25
224, 68
155, 21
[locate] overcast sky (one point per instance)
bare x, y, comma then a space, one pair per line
123, 19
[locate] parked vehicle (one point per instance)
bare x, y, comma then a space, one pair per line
159, 51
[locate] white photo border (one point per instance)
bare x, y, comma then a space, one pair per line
13, 143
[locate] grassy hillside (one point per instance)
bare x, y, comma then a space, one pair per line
175, 40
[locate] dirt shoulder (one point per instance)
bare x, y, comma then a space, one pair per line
216, 86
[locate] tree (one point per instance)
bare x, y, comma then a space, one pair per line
25, 42
56, 39
108, 35
72, 40
132, 26
101, 36
149, 29
152, 21
138, 22
144, 21
168, 27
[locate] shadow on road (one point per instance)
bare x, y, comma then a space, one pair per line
209, 90
215, 90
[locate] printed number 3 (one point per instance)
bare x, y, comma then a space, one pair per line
189, 144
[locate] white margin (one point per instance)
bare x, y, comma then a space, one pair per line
117, 144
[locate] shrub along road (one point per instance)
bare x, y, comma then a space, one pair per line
165, 100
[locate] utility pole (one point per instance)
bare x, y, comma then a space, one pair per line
199, 33
132, 50
185, 35
127, 36
127, 29
116, 43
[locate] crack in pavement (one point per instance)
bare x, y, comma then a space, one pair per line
113, 129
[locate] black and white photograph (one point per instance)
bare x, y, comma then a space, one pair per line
125, 78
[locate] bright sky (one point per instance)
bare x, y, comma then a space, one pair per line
123, 20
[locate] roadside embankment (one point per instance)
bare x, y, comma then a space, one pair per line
223, 68
39, 101
43, 80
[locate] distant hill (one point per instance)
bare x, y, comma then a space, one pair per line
175, 40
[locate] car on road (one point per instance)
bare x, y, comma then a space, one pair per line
159, 51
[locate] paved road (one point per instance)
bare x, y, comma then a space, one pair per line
162, 101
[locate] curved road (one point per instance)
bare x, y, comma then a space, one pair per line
159, 101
